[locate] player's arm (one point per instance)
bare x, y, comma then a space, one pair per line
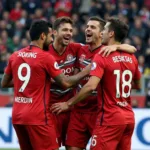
72, 80
84, 92
6, 81
106, 50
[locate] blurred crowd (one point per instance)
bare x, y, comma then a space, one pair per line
17, 15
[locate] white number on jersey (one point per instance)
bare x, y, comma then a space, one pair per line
124, 83
94, 141
25, 78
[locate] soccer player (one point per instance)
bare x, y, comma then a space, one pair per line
66, 55
31, 69
113, 76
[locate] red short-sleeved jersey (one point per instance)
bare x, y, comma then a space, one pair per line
116, 72
85, 56
67, 63
31, 69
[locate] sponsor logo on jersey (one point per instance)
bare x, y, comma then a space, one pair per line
69, 57
93, 66
82, 57
56, 65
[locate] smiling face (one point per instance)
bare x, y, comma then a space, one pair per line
92, 31
64, 33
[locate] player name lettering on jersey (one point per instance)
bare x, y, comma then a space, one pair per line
122, 104
23, 100
27, 55
122, 59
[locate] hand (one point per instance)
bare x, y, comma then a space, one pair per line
59, 107
105, 51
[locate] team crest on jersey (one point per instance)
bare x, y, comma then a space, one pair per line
69, 57
56, 66
93, 67
82, 57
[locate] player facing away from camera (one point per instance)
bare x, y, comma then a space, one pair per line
29, 71
114, 77
65, 53
84, 114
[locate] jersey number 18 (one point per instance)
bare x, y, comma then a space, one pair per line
124, 83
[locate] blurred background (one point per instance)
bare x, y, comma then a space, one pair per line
16, 17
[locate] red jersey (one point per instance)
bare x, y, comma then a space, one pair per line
116, 72
31, 71
67, 63
85, 56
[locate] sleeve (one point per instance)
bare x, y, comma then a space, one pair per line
98, 66
137, 74
51, 66
8, 69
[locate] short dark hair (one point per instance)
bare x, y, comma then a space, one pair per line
38, 27
60, 21
119, 27
101, 21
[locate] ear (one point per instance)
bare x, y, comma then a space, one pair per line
100, 34
111, 34
55, 32
43, 36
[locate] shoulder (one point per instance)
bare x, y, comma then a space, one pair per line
75, 45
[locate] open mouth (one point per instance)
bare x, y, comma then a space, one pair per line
88, 35
66, 38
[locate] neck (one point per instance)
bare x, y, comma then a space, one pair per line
59, 47
95, 45
113, 42
37, 43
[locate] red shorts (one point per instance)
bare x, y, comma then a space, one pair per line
62, 121
115, 137
36, 137
80, 129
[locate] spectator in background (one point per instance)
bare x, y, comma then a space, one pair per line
16, 44
133, 11
140, 46
6, 40
122, 8
137, 29
24, 43
31, 5
47, 8
38, 14
141, 61
63, 8
15, 13
145, 14
23, 19
96, 9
